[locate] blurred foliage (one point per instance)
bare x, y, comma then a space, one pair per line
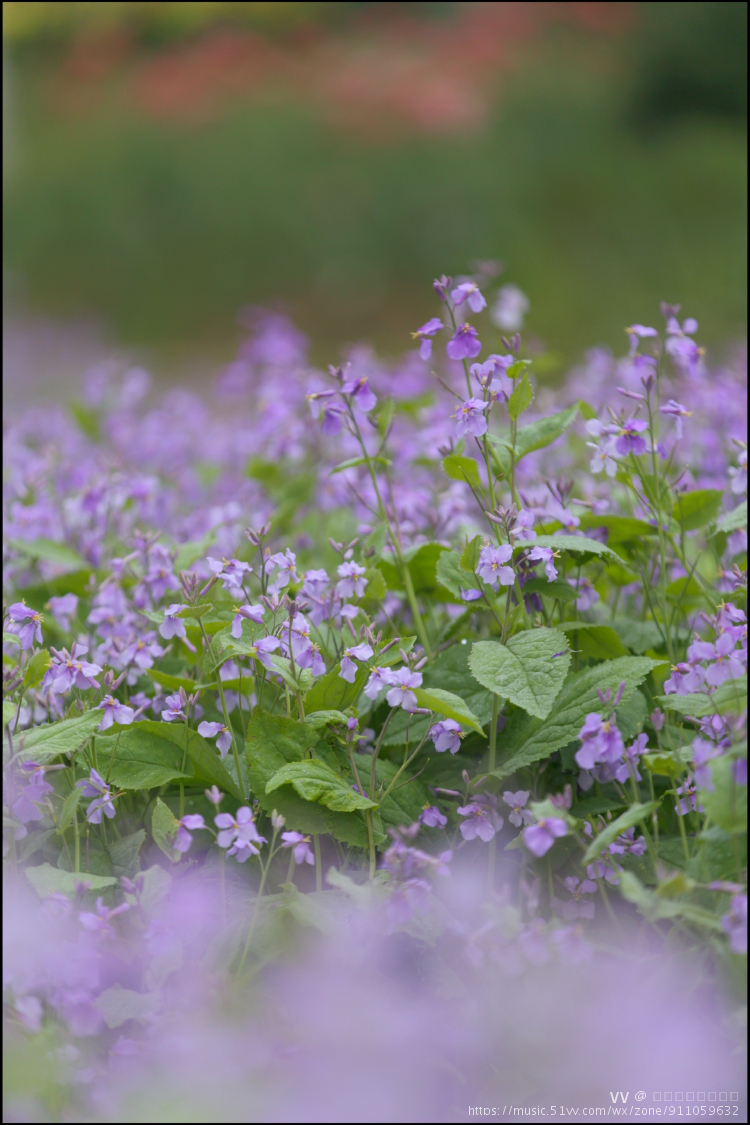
691, 59
167, 227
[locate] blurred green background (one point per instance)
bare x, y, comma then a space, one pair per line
168, 164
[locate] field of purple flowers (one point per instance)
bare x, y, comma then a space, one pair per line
374, 740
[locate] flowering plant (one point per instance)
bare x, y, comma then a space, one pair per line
289, 624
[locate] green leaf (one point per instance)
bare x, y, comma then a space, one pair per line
273, 742
638, 635
726, 804
666, 765
463, 469
529, 670
124, 854
404, 804
620, 529
118, 1005
301, 680
469, 560
631, 715
34, 671
174, 683
68, 811
313, 780
728, 697
734, 520
449, 574
576, 544
47, 550
45, 742
353, 462
632, 816
544, 432
207, 765
532, 739
657, 487
557, 589
521, 397
11, 639
449, 705
188, 552
450, 667
654, 906
45, 879
331, 693
697, 509
144, 759
322, 718
9, 712
376, 587
164, 829
385, 415
422, 563
594, 642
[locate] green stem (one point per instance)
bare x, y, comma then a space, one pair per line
228, 721
318, 866
376, 751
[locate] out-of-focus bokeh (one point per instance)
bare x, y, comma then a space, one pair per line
167, 164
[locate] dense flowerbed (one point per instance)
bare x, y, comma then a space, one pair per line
374, 740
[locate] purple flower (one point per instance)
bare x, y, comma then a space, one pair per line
25, 804
432, 817
685, 679
353, 582
261, 651
360, 391
223, 742
67, 671
524, 525
446, 735
173, 710
470, 595
32, 630
333, 414
735, 924
688, 801
190, 823
626, 842
470, 418
464, 343
173, 626
348, 667
425, 334
401, 692
231, 572
379, 678
479, 820
726, 660
545, 555
63, 608
601, 741
99, 923
468, 291
605, 868
638, 332
587, 595
678, 412
510, 308
576, 906
114, 712
246, 613
629, 768
630, 440
141, 652
571, 948
738, 476
540, 837
95, 786
739, 771
515, 801
286, 563
491, 568
300, 847
703, 753
238, 834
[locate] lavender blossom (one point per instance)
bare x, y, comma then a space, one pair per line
191, 823
446, 735
491, 568
239, 834
348, 667
352, 582
210, 730
300, 846
464, 343
361, 393
735, 924
468, 291
470, 418
425, 334
115, 712
173, 626
545, 555
29, 632
479, 820
95, 786
630, 440
401, 691
540, 837
99, 923
231, 572
431, 817
63, 608
516, 801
